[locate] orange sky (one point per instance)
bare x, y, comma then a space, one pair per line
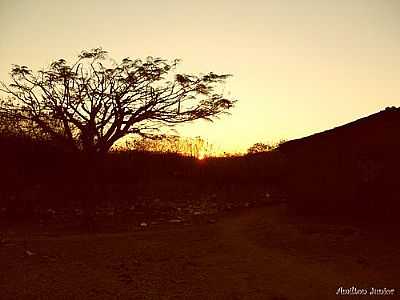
299, 66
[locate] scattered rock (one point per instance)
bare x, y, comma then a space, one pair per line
29, 253
49, 258
175, 221
51, 211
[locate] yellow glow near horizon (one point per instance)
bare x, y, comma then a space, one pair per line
299, 66
201, 156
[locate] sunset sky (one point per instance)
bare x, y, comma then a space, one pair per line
299, 66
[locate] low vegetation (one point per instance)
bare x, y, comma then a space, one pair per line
43, 179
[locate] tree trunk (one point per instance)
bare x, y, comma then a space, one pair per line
93, 171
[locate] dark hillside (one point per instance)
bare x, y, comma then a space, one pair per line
348, 170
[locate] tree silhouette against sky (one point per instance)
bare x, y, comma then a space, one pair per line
94, 102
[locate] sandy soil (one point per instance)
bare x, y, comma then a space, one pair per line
256, 253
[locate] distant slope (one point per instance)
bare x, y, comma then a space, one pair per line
383, 126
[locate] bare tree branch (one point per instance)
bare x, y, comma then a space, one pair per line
93, 102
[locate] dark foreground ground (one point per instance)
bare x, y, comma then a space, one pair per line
254, 253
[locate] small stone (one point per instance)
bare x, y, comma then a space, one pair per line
29, 253
175, 221
143, 224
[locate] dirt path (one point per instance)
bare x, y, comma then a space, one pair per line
255, 254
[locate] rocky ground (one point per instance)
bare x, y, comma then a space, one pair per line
249, 253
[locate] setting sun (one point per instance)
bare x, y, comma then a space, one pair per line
201, 156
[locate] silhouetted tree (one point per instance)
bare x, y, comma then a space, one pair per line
94, 102
259, 147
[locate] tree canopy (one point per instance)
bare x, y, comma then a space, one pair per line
259, 148
95, 101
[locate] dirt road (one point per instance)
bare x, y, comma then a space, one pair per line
254, 254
